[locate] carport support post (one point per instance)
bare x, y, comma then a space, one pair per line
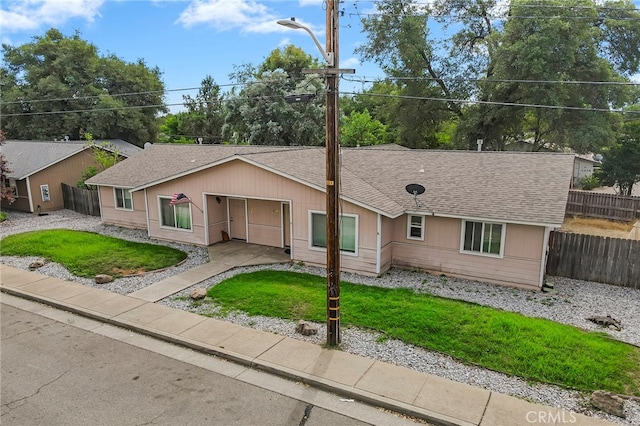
332, 184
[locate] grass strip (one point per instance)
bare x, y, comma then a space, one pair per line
531, 348
87, 254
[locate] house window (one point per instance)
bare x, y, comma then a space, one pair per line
415, 227
483, 237
177, 216
12, 185
348, 231
123, 199
44, 191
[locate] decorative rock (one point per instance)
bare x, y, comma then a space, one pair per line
607, 321
305, 328
608, 402
36, 264
103, 278
198, 293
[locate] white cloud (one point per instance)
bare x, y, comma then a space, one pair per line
248, 15
303, 3
284, 42
349, 62
31, 14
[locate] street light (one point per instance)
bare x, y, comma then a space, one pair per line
333, 170
293, 24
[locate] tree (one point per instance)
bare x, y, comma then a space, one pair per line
105, 155
621, 163
490, 62
359, 129
260, 113
205, 113
432, 74
172, 129
59, 86
6, 193
529, 50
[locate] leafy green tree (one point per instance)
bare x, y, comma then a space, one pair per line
172, 129
105, 155
621, 163
359, 129
205, 113
59, 86
546, 50
438, 71
496, 64
260, 113
6, 193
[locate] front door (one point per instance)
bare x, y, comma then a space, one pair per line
237, 219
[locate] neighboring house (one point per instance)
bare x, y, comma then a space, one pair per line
39, 168
583, 166
483, 216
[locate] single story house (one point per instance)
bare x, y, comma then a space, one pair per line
39, 168
583, 166
483, 215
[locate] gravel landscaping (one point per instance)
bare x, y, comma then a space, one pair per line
574, 302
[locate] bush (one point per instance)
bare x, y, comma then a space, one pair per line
590, 182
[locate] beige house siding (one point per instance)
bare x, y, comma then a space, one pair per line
265, 222
119, 217
21, 202
68, 171
386, 244
440, 252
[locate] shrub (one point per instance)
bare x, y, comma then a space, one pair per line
590, 182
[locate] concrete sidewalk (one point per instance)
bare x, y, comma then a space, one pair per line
425, 396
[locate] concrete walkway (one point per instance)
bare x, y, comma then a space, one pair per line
222, 257
429, 397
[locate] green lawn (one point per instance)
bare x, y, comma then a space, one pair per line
88, 254
531, 348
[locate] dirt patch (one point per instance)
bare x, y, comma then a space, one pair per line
600, 227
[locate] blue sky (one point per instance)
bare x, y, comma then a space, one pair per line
186, 40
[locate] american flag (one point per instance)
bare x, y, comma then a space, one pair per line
179, 199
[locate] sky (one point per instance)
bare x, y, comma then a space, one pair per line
186, 40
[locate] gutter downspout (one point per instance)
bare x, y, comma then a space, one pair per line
29, 195
378, 244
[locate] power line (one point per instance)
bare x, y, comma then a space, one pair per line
354, 79
365, 79
510, 104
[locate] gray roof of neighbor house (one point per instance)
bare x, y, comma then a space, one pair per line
501, 186
28, 157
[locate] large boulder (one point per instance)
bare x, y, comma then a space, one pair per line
103, 278
608, 402
198, 293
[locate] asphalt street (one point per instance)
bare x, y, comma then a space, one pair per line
61, 369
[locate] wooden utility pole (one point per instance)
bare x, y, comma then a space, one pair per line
333, 180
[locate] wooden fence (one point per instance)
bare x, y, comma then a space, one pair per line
606, 206
593, 258
81, 200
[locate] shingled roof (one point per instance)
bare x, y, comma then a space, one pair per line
502, 186
27, 157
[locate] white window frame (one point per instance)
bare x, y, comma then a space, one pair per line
411, 226
44, 192
115, 199
481, 253
319, 248
175, 227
